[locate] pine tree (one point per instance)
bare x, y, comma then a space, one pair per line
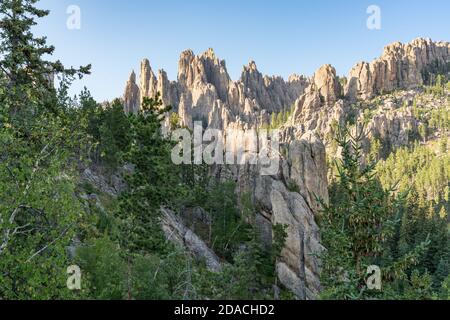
26, 74
153, 184
375, 147
442, 271
115, 137
357, 226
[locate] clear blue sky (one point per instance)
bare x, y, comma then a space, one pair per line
283, 37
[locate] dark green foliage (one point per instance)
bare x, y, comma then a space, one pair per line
108, 131
111, 275
229, 229
154, 268
104, 268
425, 213
444, 293
27, 77
154, 182
250, 271
357, 226
139, 262
240, 280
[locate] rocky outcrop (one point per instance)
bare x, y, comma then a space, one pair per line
172, 225
270, 93
114, 185
132, 95
289, 198
327, 84
177, 232
401, 66
294, 201
205, 92
320, 106
297, 268
306, 168
148, 84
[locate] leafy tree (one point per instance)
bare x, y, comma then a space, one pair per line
375, 148
38, 210
170, 277
239, 280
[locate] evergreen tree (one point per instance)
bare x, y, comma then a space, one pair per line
26, 75
357, 225
153, 184
115, 136
229, 229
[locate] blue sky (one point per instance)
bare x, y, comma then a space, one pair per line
283, 37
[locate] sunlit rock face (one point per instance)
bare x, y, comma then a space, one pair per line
204, 93
132, 95
401, 66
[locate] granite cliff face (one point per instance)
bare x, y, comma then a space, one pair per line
289, 198
132, 94
396, 78
204, 92
402, 66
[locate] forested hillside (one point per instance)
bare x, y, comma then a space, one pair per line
363, 180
